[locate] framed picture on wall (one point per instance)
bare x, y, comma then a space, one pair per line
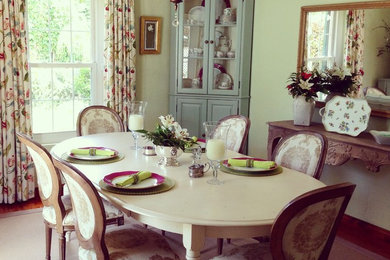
150, 30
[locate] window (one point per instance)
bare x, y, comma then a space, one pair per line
325, 34
63, 63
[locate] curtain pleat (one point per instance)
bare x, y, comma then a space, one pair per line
119, 52
17, 173
354, 46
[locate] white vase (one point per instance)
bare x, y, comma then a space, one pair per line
169, 155
303, 111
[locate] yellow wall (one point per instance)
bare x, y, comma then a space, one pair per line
375, 67
153, 69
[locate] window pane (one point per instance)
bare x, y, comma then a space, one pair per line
81, 47
81, 15
61, 47
43, 122
39, 46
60, 14
62, 84
82, 83
63, 119
41, 84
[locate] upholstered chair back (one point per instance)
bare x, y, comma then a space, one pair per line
307, 226
130, 241
89, 212
98, 119
303, 151
238, 131
49, 182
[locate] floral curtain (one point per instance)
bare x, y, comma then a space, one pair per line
16, 171
354, 45
119, 52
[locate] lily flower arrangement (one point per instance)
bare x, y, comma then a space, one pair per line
305, 83
169, 133
340, 80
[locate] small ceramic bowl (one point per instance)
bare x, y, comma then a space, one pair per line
381, 137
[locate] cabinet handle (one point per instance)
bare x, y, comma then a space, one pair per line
206, 41
211, 42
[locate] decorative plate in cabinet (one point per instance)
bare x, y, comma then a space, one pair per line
345, 115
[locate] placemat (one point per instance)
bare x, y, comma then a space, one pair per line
166, 186
73, 160
257, 174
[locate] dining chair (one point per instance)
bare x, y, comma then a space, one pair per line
57, 210
98, 119
304, 229
236, 141
95, 241
238, 131
303, 151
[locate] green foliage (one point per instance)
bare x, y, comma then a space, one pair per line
165, 137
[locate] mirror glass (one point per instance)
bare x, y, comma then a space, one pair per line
353, 35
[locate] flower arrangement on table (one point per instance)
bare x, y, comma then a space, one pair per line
305, 83
169, 133
340, 81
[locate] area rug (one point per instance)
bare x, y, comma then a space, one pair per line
22, 237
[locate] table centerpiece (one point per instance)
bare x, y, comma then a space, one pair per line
170, 140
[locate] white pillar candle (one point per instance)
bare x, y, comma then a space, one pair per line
136, 122
215, 149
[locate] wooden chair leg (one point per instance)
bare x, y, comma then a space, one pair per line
48, 232
219, 245
229, 240
62, 245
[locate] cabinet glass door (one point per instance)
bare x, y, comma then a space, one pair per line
193, 32
225, 35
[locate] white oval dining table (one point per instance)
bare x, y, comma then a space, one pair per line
242, 207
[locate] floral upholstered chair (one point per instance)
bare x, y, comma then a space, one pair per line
57, 209
304, 151
238, 131
304, 229
98, 119
95, 242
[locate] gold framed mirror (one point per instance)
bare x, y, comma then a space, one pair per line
376, 15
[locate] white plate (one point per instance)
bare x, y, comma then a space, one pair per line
381, 137
224, 78
197, 14
346, 115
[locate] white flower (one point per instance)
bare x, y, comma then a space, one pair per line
341, 73
167, 121
305, 84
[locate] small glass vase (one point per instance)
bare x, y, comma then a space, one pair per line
169, 155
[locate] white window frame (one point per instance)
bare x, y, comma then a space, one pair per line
96, 65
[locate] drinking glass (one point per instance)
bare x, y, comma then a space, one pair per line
216, 139
136, 119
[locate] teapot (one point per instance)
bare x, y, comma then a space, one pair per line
224, 44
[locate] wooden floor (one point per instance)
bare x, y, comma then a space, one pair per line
362, 234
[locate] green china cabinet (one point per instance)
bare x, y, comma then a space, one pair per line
211, 61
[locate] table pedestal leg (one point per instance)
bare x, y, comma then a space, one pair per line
193, 240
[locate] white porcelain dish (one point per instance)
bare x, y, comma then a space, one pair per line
346, 115
224, 81
197, 14
381, 137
